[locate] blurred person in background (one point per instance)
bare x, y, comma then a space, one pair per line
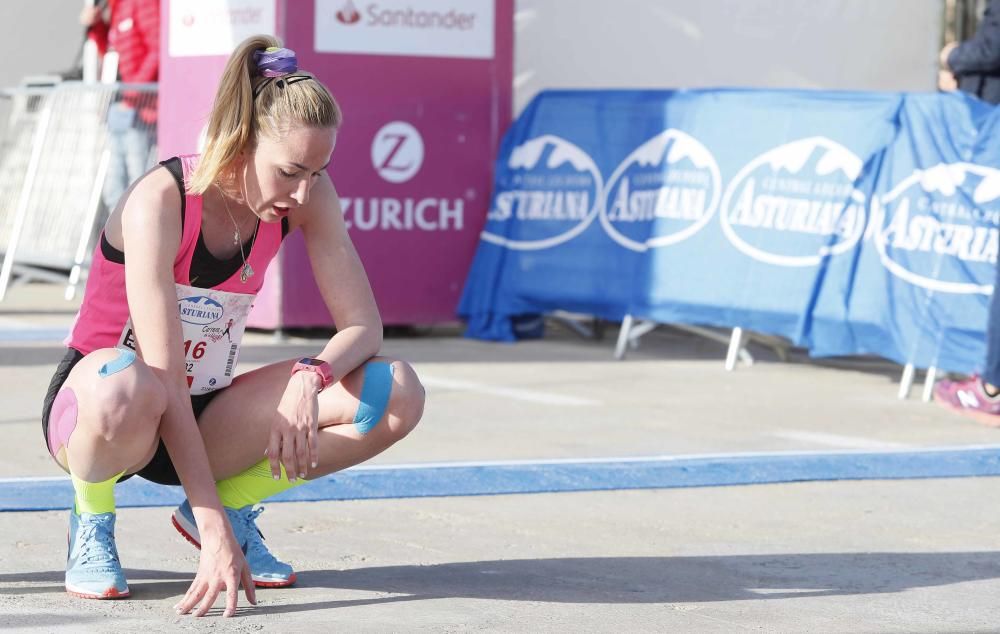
130, 28
974, 67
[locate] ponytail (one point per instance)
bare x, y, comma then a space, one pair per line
248, 104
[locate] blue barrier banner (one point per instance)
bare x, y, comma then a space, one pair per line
846, 222
921, 283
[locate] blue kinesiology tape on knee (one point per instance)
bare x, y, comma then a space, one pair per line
374, 396
124, 359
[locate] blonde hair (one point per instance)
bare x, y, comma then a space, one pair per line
248, 105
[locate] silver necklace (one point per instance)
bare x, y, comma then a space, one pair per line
246, 272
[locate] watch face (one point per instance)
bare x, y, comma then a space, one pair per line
312, 362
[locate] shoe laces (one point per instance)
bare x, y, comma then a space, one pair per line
253, 539
95, 541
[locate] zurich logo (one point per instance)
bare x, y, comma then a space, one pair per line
938, 228
796, 204
397, 151
549, 193
663, 192
199, 310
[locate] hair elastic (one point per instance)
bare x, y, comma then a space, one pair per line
280, 83
276, 62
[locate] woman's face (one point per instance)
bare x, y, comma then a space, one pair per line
280, 173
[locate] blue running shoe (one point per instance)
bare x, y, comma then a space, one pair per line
265, 569
93, 570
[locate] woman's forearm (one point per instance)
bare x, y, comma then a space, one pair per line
179, 431
351, 347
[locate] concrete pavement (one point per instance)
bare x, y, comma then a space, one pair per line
911, 555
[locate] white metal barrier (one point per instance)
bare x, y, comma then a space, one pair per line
55, 158
633, 329
906, 383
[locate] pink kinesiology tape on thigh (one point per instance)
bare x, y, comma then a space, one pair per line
62, 419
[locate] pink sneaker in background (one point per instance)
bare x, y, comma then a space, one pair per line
970, 399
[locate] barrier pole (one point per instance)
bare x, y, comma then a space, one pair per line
109, 68
623, 335
929, 381
88, 225
905, 382
735, 346
25, 196
91, 60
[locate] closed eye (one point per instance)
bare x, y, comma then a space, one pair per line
317, 173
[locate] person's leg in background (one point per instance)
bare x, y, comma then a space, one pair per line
138, 143
978, 397
120, 119
991, 370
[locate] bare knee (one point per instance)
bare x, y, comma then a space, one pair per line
406, 402
127, 401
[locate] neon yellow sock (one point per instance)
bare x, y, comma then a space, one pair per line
95, 497
253, 485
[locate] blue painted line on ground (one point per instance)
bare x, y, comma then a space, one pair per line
415, 481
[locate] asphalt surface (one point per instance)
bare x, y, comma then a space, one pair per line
822, 554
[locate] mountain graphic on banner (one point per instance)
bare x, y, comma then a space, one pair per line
825, 157
528, 155
672, 149
947, 179
988, 189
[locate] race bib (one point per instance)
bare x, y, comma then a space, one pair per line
213, 322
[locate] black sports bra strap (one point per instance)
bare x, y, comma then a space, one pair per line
176, 170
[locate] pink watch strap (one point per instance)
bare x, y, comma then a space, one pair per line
316, 366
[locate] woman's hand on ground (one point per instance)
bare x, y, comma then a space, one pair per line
294, 438
221, 568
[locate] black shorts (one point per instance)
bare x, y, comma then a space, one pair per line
160, 469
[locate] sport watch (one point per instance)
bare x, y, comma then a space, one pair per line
320, 367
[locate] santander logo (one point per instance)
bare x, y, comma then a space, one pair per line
425, 28
348, 14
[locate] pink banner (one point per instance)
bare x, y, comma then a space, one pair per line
425, 86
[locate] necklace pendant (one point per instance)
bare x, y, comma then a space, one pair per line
246, 273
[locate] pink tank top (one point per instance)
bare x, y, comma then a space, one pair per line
104, 310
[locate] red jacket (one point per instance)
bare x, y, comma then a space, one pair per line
134, 33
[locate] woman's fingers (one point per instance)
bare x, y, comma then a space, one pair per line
195, 592
208, 601
302, 451
248, 587
274, 453
288, 456
313, 445
219, 576
232, 597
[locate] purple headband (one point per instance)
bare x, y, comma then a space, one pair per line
276, 62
